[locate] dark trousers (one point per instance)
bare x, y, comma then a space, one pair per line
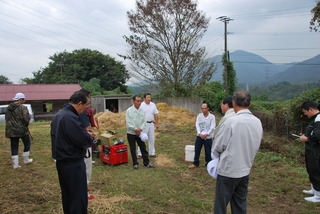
233, 190
207, 143
133, 139
15, 144
73, 183
312, 157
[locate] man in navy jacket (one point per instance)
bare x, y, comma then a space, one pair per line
69, 143
312, 149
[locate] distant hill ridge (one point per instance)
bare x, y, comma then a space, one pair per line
254, 69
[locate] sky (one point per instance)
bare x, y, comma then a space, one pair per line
32, 31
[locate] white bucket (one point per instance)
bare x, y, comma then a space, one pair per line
189, 153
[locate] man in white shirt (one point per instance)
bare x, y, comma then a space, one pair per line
236, 145
152, 121
205, 125
136, 124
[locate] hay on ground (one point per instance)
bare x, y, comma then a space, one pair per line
163, 160
168, 117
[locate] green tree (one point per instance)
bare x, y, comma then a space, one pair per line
93, 86
5, 80
315, 20
212, 94
82, 65
229, 75
164, 46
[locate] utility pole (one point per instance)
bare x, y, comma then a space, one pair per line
226, 21
61, 65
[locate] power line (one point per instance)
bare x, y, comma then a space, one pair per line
29, 39
286, 56
269, 63
279, 49
30, 29
273, 13
80, 18
282, 12
64, 24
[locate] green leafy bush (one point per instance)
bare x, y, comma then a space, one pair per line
212, 93
297, 115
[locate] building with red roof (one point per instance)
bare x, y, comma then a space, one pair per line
46, 99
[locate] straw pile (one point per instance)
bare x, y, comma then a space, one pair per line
168, 117
110, 119
174, 116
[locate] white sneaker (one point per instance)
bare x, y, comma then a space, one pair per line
314, 199
310, 192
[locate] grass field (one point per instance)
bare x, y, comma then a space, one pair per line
276, 181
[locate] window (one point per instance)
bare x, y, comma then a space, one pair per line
112, 105
47, 107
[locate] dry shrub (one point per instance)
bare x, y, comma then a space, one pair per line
168, 117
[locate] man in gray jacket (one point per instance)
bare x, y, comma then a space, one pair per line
227, 110
236, 145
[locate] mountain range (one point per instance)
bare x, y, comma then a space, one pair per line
254, 69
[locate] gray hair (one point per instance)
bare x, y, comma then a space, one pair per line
242, 98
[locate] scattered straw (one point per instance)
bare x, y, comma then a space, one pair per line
104, 204
162, 160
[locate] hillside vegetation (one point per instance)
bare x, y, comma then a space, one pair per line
281, 91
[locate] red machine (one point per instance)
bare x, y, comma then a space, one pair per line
114, 155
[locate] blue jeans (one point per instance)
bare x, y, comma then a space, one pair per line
15, 144
207, 148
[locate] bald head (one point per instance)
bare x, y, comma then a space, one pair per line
242, 98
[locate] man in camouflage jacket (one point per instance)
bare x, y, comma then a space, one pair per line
17, 122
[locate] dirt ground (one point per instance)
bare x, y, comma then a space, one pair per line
276, 180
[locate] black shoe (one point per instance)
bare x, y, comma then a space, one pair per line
136, 166
149, 165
